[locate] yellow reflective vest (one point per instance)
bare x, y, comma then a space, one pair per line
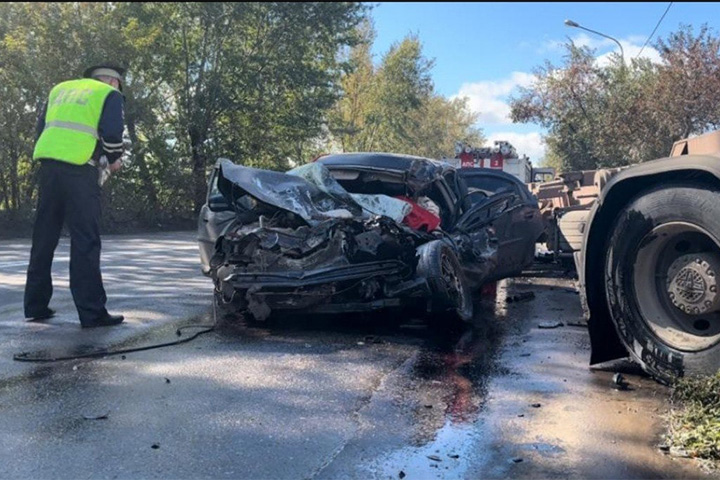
71, 121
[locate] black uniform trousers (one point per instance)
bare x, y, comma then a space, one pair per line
68, 193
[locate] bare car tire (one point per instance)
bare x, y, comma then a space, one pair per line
661, 265
450, 291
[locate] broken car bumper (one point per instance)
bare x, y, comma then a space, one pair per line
327, 290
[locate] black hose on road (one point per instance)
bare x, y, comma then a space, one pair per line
27, 356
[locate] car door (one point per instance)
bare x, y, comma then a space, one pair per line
526, 226
491, 212
215, 215
515, 217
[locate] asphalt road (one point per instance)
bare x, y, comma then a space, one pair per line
152, 279
358, 397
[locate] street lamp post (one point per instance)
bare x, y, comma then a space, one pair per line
570, 23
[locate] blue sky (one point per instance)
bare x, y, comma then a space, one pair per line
485, 50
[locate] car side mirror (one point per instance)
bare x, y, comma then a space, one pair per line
477, 193
462, 203
218, 203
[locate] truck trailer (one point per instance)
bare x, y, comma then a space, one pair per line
645, 241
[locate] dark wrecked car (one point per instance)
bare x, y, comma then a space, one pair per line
357, 232
518, 230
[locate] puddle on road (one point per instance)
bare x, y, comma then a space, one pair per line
543, 449
451, 454
448, 455
455, 364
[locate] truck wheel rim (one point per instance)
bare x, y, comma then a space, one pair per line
675, 284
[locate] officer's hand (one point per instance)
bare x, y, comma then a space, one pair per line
115, 166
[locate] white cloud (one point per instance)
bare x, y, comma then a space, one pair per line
580, 40
631, 51
530, 144
606, 47
489, 98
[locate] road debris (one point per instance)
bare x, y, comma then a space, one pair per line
155, 446
517, 460
619, 382
520, 297
536, 405
401, 474
434, 458
373, 339
454, 456
103, 416
549, 325
524, 354
577, 324
167, 380
679, 452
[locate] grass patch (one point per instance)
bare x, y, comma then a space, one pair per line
695, 418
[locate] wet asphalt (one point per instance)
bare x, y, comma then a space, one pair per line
153, 280
368, 396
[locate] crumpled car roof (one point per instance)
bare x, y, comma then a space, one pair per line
419, 172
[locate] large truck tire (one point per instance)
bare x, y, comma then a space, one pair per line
451, 296
662, 280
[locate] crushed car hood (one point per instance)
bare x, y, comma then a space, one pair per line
308, 191
287, 192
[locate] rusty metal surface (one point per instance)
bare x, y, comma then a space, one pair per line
565, 204
708, 144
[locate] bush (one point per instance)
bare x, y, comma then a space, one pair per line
695, 419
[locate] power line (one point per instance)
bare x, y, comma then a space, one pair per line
654, 30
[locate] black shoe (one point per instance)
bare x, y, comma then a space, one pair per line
107, 321
49, 313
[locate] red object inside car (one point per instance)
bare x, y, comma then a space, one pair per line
419, 218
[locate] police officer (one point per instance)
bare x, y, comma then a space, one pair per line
81, 122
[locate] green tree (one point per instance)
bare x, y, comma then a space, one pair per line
442, 122
687, 86
251, 81
248, 81
393, 107
350, 118
404, 87
608, 116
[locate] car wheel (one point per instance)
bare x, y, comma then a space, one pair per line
662, 271
450, 292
